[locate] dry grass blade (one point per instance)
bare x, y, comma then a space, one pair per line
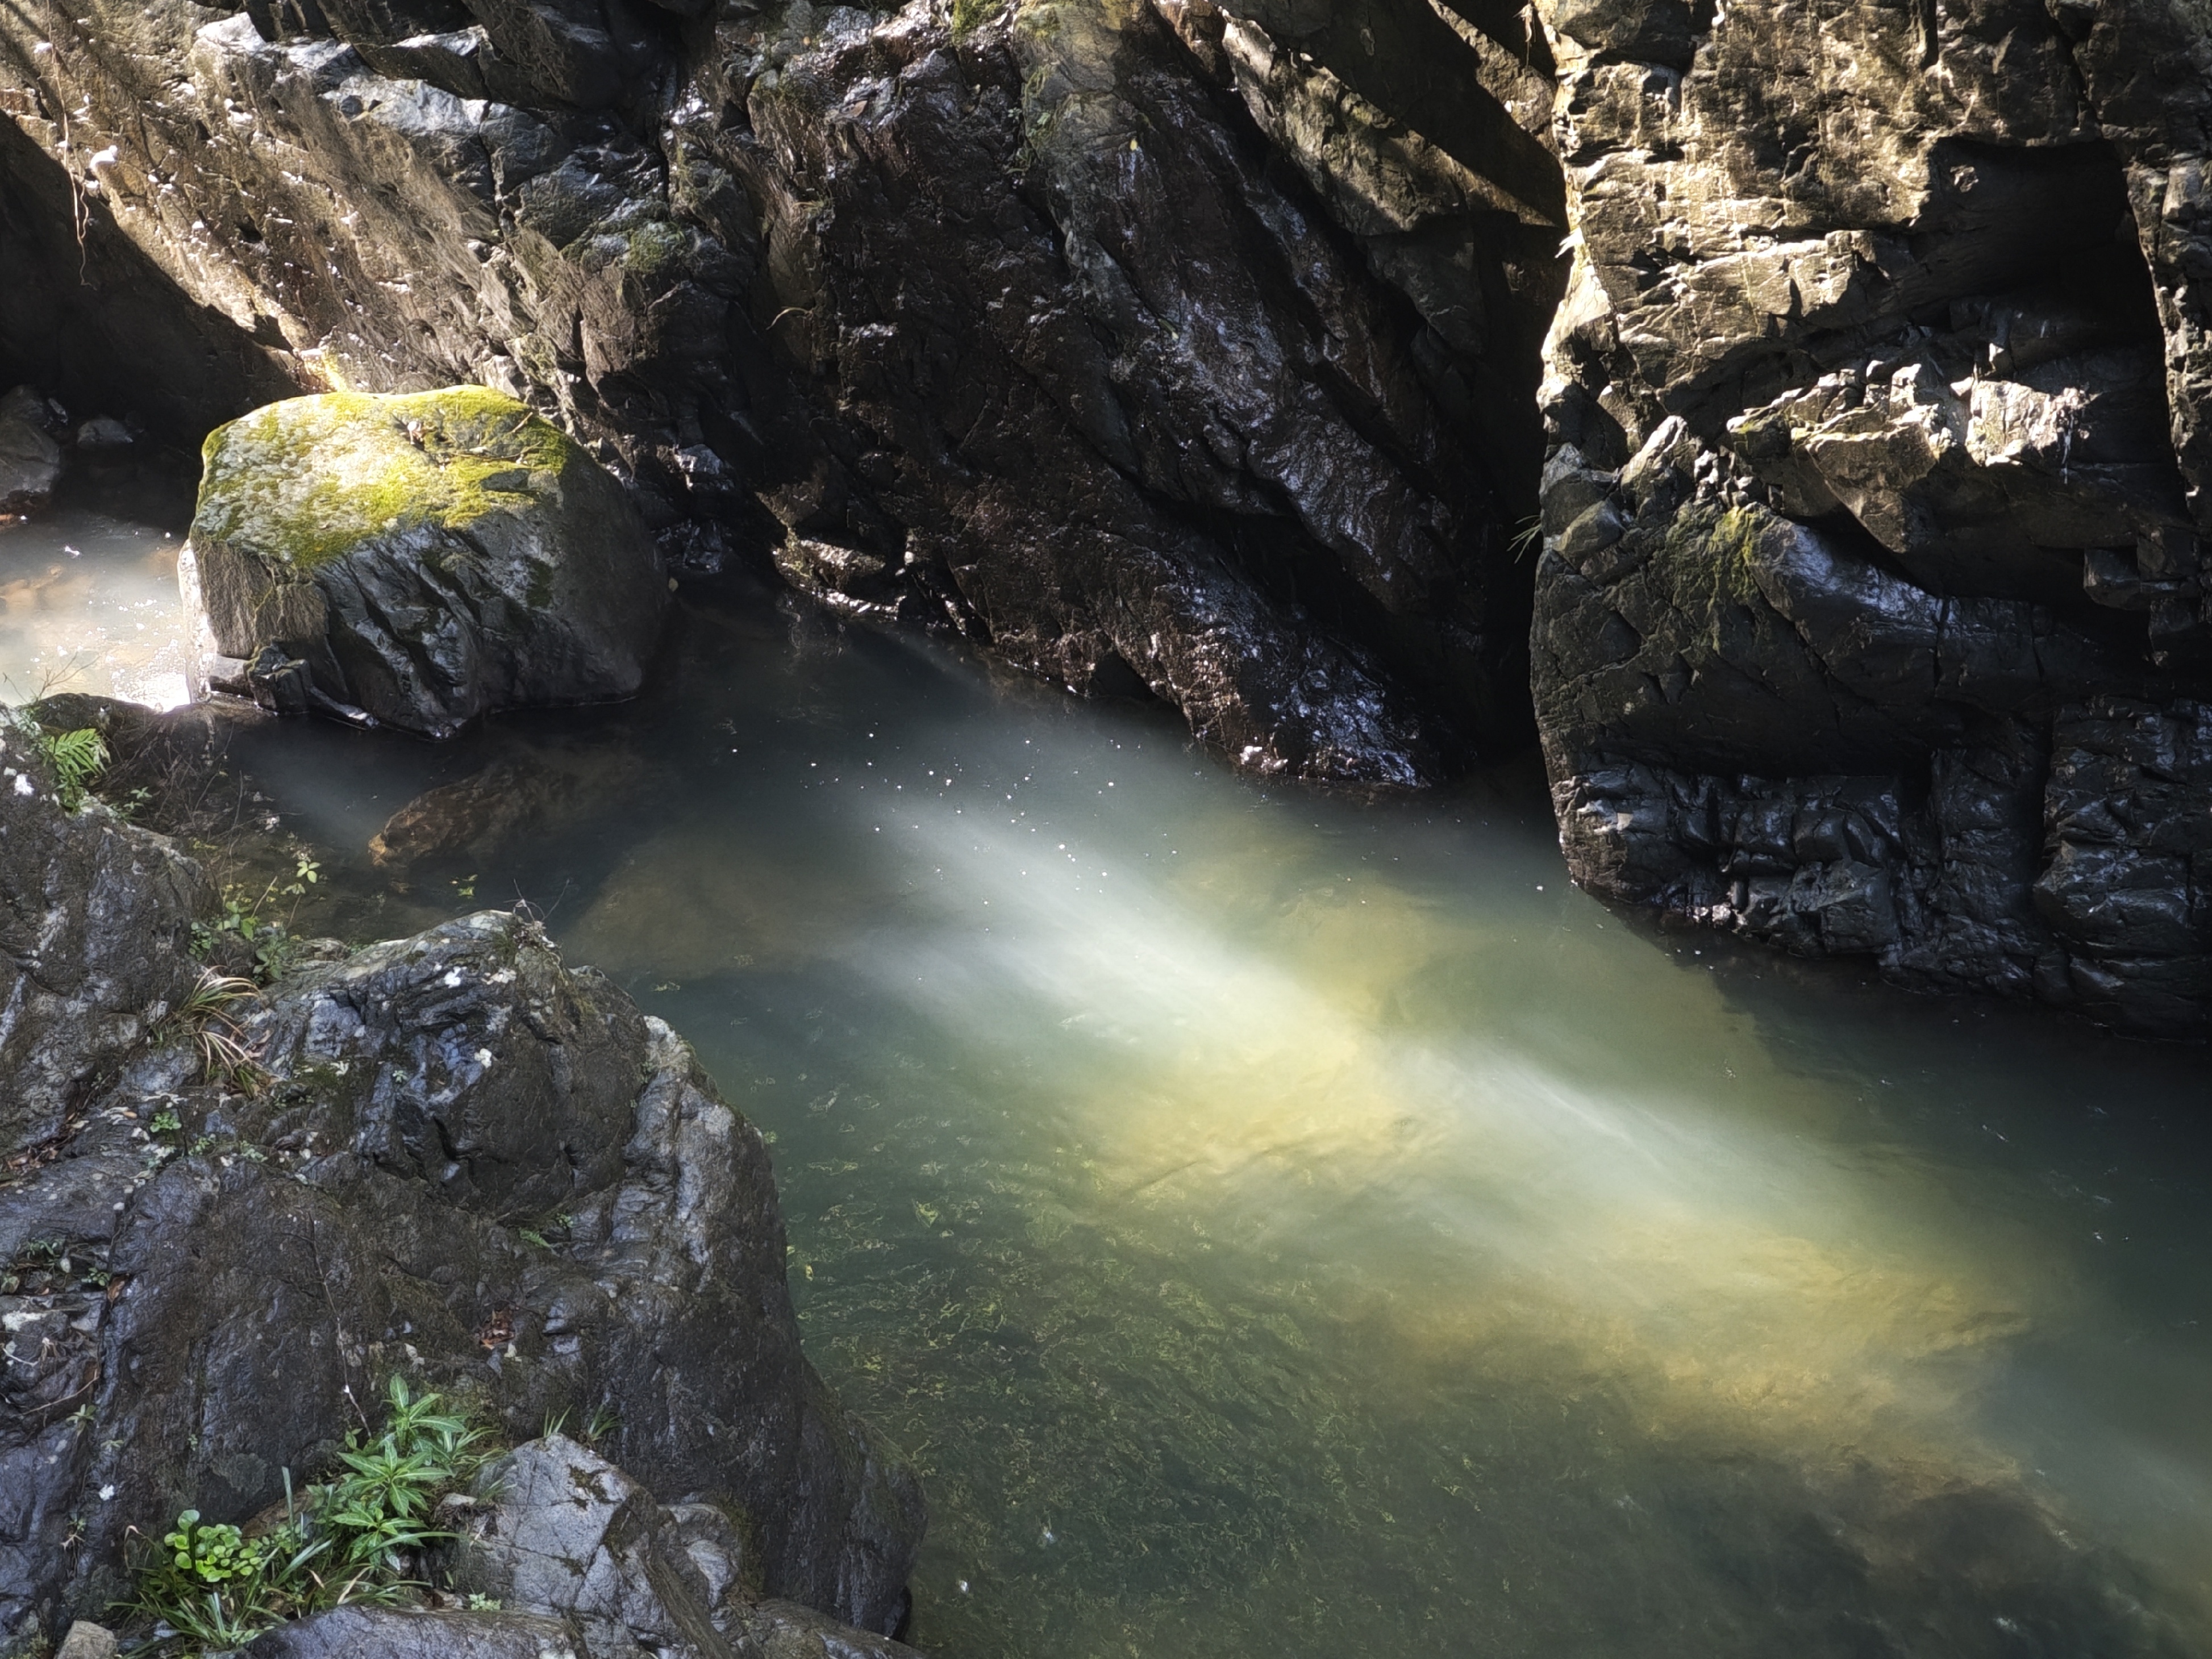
204, 1017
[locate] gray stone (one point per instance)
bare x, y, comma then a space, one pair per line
568, 1535
1893, 379
87, 1641
102, 432
395, 1633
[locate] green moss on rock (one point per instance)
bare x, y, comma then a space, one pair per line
299, 482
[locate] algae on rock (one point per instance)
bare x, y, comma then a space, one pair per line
427, 558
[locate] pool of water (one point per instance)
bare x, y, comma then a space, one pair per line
1280, 1224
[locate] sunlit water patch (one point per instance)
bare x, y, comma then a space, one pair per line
89, 603
1279, 1224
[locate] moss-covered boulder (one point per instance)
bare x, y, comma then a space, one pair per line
429, 556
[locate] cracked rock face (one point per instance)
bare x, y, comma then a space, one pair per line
1871, 618
95, 936
475, 1166
1162, 350
569, 1536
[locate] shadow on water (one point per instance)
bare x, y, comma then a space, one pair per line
1276, 1224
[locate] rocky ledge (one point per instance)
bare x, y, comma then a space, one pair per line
1872, 616
231, 1218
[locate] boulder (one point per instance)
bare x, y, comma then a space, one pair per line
469, 1164
26, 404
95, 937
424, 558
30, 467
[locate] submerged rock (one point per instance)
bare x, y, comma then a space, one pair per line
425, 558
489, 811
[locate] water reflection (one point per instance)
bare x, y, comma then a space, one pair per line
1276, 1225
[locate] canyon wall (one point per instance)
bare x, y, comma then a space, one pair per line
1133, 345
1200, 351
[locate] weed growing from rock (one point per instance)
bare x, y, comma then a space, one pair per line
252, 918
205, 1020
362, 1536
77, 758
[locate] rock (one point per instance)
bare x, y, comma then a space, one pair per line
569, 1536
103, 432
1876, 500
1083, 427
87, 1641
488, 811
30, 467
427, 558
25, 403
1180, 421
95, 932
472, 1165
395, 1633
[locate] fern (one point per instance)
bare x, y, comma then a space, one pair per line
77, 758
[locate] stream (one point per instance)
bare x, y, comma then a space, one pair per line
1279, 1224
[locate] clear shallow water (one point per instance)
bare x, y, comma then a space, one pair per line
1281, 1226
89, 603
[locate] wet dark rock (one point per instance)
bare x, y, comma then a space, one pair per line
418, 560
30, 467
1178, 420
410, 1633
1117, 399
1876, 495
95, 919
474, 1166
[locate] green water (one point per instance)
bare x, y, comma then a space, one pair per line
1277, 1224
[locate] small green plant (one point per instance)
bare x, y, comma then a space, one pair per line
251, 917
165, 1122
359, 1537
213, 1554
479, 1602
77, 758
1528, 537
